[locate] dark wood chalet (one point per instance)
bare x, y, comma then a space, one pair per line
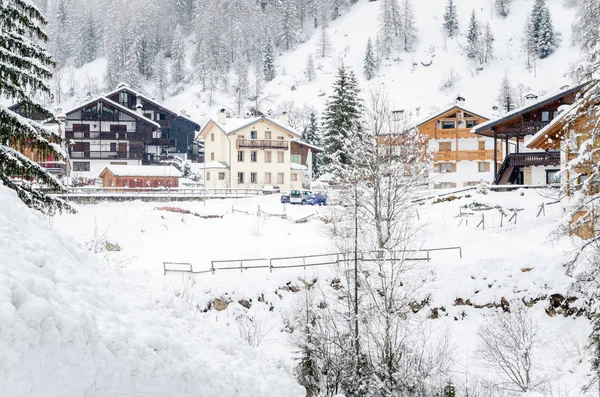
22, 110
104, 130
177, 131
516, 126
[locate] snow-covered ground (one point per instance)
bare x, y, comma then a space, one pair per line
517, 262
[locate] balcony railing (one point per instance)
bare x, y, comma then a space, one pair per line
466, 155
524, 128
262, 144
529, 159
98, 135
100, 155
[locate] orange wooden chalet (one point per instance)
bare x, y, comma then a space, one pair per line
140, 176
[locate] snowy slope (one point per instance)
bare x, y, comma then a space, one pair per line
71, 326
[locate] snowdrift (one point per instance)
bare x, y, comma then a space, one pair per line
71, 326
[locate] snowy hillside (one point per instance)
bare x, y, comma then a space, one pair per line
73, 326
414, 79
501, 265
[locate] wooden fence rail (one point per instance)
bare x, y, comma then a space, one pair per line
304, 261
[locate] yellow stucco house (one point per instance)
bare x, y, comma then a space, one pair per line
250, 153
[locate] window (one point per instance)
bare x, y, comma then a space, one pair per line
448, 125
252, 134
253, 156
296, 159
446, 167
81, 128
162, 116
552, 176
294, 177
280, 157
445, 146
267, 177
446, 185
481, 145
208, 176
280, 138
267, 157
546, 116
212, 156
81, 166
123, 98
221, 176
118, 163
280, 178
113, 146
148, 115
253, 177
212, 137
240, 177
483, 167
268, 135
240, 156
472, 183
471, 123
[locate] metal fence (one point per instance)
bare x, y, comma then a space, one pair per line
306, 261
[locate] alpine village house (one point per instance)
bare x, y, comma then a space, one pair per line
460, 157
524, 165
258, 152
125, 128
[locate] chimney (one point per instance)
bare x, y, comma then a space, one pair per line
530, 98
222, 117
460, 101
418, 111
284, 119
138, 105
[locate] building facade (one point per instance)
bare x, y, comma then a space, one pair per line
249, 153
150, 176
460, 158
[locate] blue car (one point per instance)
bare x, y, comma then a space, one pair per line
316, 199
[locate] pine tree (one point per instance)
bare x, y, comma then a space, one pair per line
528, 42
177, 57
542, 38
473, 33
323, 44
502, 7
289, 28
390, 27
586, 27
90, 37
506, 96
160, 75
24, 71
451, 19
132, 76
311, 135
62, 42
409, 26
370, 63
310, 68
487, 41
268, 61
341, 118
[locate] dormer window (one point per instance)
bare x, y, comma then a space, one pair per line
252, 134
123, 98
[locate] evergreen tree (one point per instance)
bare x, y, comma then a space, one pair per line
24, 71
160, 75
323, 44
62, 42
310, 68
177, 57
542, 37
90, 37
473, 33
341, 118
132, 76
390, 27
409, 26
506, 96
289, 28
586, 27
370, 63
451, 19
528, 42
502, 7
311, 135
269, 61
487, 41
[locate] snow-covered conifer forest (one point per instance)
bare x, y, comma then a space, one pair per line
321, 198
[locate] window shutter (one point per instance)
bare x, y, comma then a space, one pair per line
487, 167
453, 167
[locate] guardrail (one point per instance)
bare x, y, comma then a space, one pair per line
304, 261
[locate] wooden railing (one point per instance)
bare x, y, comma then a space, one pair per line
261, 144
452, 134
524, 128
466, 155
107, 154
304, 261
526, 159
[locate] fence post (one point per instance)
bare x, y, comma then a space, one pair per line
241, 265
418, 217
164, 269
304, 262
428, 258
271, 265
460, 252
258, 213
212, 267
501, 217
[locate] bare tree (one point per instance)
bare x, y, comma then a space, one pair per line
508, 347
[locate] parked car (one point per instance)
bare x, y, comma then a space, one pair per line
299, 196
285, 198
317, 199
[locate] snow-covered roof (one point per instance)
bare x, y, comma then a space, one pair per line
449, 108
481, 128
143, 170
298, 167
215, 164
541, 135
117, 106
232, 125
317, 148
123, 86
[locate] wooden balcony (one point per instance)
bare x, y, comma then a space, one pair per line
104, 155
523, 128
529, 159
466, 155
262, 144
99, 135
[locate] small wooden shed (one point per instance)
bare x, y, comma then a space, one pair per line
140, 176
